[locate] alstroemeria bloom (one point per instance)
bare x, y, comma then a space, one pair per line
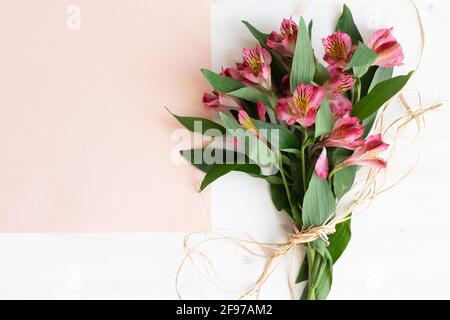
262, 109
284, 42
302, 106
256, 66
245, 121
347, 133
231, 73
216, 100
338, 50
335, 89
321, 167
389, 51
367, 154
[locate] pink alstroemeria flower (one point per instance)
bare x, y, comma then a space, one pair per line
231, 73
322, 167
366, 155
302, 106
245, 121
262, 109
389, 51
347, 133
256, 66
338, 50
284, 42
219, 100
335, 89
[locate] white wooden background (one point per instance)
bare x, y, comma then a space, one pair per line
400, 243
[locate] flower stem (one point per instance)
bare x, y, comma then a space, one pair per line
334, 171
303, 160
357, 91
293, 206
311, 256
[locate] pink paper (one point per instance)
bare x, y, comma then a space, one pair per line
85, 141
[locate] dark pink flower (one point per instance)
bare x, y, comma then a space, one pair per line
262, 109
231, 73
367, 154
322, 167
340, 106
245, 121
389, 51
219, 100
335, 89
302, 106
338, 50
347, 133
284, 42
338, 84
256, 67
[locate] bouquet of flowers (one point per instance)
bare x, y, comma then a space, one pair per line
304, 127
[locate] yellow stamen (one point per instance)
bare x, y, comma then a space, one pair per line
248, 124
255, 63
301, 102
337, 51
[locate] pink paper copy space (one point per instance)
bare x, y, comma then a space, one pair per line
85, 141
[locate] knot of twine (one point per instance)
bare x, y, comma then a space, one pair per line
301, 237
295, 239
274, 252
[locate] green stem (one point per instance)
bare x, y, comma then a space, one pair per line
334, 171
303, 160
312, 258
295, 212
357, 91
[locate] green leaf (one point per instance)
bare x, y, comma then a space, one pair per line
255, 149
221, 83
279, 198
380, 75
343, 179
205, 159
261, 37
251, 94
362, 59
278, 136
303, 273
310, 28
339, 240
347, 25
366, 80
362, 56
303, 63
273, 179
324, 119
200, 125
220, 170
297, 152
323, 286
321, 74
379, 95
319, 203
324, 277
